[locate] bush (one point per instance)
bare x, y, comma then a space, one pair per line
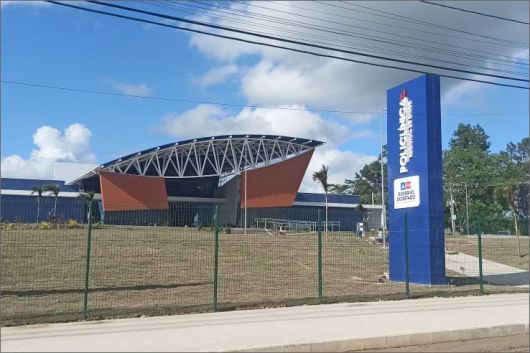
8, 226
97, 225
72, 224
228, 230
45, 226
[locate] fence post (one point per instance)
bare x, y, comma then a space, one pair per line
406, 245
87, 263
320, 300
479, 239
215, 259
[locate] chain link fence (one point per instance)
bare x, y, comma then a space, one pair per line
199, 258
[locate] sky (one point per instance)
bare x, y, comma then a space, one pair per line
47, 44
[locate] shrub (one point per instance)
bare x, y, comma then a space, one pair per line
45, 226
97, 225
8, 226
228, 230
72, 224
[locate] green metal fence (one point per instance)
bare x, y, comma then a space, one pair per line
66, 271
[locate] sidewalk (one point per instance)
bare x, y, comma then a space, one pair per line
493, 272
334, 327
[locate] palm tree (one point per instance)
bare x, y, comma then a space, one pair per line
39, 190
89, 198
321, 176
54, 190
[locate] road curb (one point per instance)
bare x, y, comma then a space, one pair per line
396, 341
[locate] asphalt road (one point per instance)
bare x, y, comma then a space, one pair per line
518, 343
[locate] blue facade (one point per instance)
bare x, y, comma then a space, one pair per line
425, 220
23, 209
28, 184
332, 198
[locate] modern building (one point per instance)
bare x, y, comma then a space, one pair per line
247, 178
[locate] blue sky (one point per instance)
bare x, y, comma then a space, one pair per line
48, 44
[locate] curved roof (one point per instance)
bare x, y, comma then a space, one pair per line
207, 156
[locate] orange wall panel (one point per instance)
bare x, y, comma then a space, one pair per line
121, 192
275, 185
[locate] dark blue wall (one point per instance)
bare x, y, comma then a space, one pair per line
28, 184
23, 209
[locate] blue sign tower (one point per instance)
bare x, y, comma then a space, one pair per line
415, 181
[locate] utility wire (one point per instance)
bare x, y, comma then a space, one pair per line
369, 37
347, 44
425, 23
194, 101
277, 46
386, 24
475, 12
409, 54
204, 24
182, 100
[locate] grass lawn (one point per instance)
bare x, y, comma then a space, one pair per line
163, 270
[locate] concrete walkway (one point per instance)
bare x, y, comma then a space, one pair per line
335, 327
493, 272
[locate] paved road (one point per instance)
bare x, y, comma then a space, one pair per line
335, 327
517, 343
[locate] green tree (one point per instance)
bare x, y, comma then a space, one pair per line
512, 193
39, 190
492, 180
338, 189
321, 176
468, 165
367, 181
53, 189
470, 137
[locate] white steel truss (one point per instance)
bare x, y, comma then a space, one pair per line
212, 157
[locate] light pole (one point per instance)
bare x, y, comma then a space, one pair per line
383, 213
245, 199
246, 175
467, 210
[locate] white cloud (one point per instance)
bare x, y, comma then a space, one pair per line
5, 3
463, 91
205, 120
72, 145
138, 89
282, 77
342, 165
216, 75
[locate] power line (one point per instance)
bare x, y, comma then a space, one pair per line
402, 44
387, 24
277, 46
429, 24
182, 100
375, 38
299, 42
475, 12
219, 16
194, 101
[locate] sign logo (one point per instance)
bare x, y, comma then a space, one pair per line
405, 132
407, 192
405, 185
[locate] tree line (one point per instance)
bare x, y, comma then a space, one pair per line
496, 184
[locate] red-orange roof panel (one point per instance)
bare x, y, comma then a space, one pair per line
275, 185
122, 192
